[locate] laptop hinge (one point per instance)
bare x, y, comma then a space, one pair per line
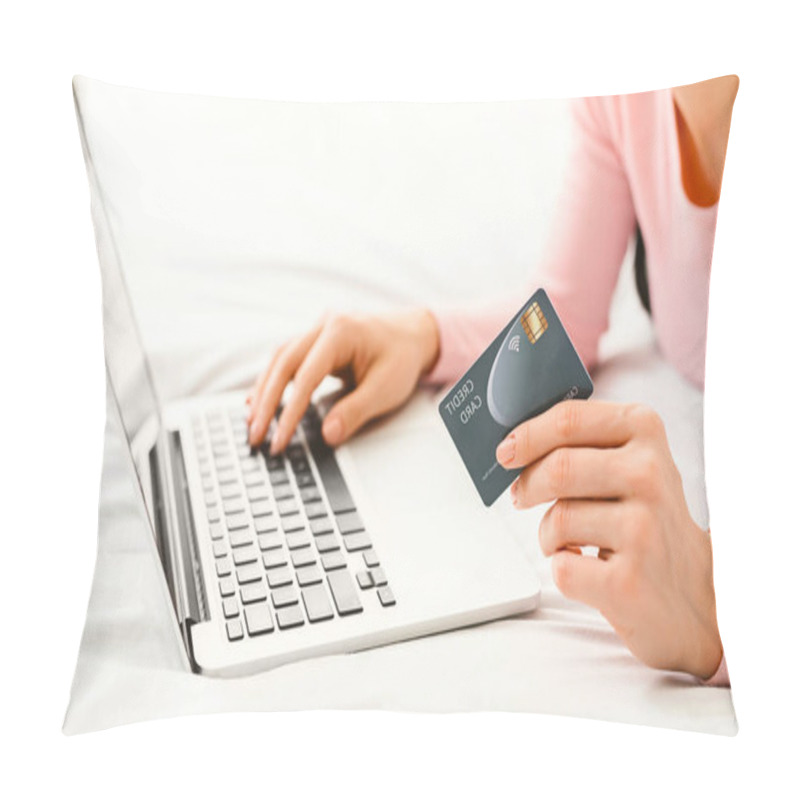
176, 538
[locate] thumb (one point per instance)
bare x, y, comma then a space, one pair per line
369, 399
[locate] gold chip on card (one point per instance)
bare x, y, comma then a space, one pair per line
534, 323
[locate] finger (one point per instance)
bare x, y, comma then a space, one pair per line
581, 578
572, 473
367, 401
328, 353
571, 423
276, 378
581, 523
258, 387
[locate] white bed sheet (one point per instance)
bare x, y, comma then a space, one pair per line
563, 658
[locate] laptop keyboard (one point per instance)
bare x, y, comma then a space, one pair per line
289, 549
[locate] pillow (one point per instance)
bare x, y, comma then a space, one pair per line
227, 226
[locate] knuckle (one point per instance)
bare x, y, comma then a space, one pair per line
645, 421
567, 419
339, 325
560, 519
646, 473
557, 474
522, 437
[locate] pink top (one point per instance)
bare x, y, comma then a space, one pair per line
625, 166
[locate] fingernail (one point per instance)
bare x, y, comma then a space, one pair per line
505, 450
514, 492
332, 429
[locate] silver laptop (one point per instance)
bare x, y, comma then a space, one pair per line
267, 560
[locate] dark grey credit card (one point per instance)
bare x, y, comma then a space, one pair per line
528, 368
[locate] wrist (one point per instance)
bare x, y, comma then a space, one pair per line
427, 330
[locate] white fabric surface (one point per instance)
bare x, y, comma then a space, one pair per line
237, 223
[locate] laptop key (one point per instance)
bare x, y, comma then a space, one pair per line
265, 524
357, 541
379, 576
237, 521
213, 513
287, 596
282, 492
316, 510
305, 480
211, 499
240, 538
253, 593
344, 592
274, 463
334, 560
290, 617
349, 522
258, 619
364, 580
215, 531
270, 541
279, 577
332, 478
261, 508
308, 576
220, 549
386, 596
257, 493
274, 558
326, 543
249, 573
230, 608
287, 507
321, 525
310, 494
318, 607
300, 466
233, 506
278, 477
253, 479
245, 555
292, 524
223, 567
234, 629
251, 464
296, 540
371, 558
227, 476
230, 490
303, 557
227, 587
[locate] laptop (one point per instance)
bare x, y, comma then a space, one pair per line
272, 559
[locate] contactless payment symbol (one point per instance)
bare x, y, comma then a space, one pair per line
514, 344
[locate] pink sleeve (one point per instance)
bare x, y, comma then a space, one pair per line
720, 677
594, 224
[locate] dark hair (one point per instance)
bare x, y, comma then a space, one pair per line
640, 270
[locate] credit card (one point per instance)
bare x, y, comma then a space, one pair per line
528, 368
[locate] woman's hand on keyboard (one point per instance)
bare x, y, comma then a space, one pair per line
384, 357
609, 469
